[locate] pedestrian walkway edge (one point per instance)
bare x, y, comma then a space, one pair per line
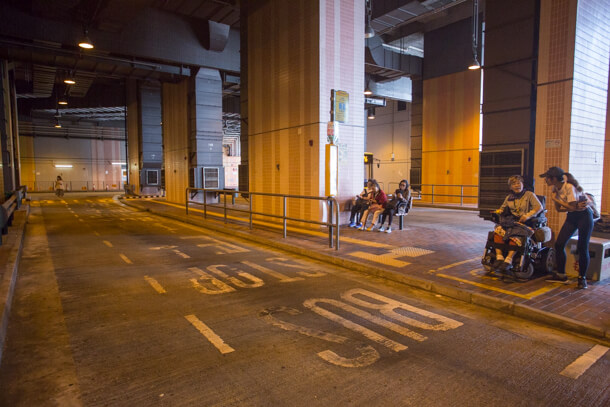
484, 300
12, 253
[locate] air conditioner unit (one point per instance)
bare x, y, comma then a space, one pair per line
210, 178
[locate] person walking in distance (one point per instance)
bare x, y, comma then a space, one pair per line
59, 186
568, 196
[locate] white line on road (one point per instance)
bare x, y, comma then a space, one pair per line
155, 284
125, 259
183, 255
584, 362
107, 243
209, 334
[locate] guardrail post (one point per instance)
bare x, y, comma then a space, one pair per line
337, 228
284, 217
224, 195
330, 221
461, 195
186, 199
205, 205
250, 202
432, 193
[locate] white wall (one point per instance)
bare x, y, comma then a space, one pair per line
390, 132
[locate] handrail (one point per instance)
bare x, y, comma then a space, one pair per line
432, 194
8, 207
333, 209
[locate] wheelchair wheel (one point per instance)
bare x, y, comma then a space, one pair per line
526, 273
547, 261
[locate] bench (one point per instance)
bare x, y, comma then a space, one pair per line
7, 210
403, 210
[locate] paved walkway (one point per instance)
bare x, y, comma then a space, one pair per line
439, 250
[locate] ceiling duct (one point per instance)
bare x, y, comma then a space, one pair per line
213, 36
383, 62
44, 80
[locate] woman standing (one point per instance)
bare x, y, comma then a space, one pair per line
569, 197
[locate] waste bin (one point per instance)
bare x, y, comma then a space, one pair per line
599, 251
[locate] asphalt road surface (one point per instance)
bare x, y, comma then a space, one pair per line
115, 307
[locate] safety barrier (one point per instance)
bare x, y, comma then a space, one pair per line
8, 208
333, 208
428, 193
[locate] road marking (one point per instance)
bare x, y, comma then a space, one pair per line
205, 277
107, 243
387, 259
183, 255
448, 266
255, 281
125, 259
584, 362
76, 216
272, 273
155, 284
80, 220
209, 334
162, 247
528, 296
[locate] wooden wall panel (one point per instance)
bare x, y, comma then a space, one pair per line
297, 52
175, 140
450, 136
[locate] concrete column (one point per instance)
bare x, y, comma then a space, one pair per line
205, 131
7, 177
297, 52
572, 91
144, 136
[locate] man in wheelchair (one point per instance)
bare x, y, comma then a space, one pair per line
515, 248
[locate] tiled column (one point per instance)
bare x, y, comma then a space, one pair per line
605, 197
572, 91
297, 52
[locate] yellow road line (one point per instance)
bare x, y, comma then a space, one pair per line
448, 266
125, 259
155, 284
107, 243
289, 228
575, 369
209, 334
528, 296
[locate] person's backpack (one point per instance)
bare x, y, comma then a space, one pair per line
593, 206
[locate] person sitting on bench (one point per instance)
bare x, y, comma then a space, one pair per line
401, 196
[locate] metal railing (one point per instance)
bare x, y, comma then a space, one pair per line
423, 192
332, 204
8, 208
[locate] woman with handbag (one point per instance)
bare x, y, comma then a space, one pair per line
401, 196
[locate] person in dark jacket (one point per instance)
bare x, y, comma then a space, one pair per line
401, 196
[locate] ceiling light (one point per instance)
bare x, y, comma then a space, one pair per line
62, 101
367, 90
69, 81
475, 64
118, 164
370, 113
368, 31
63, 165
86, 43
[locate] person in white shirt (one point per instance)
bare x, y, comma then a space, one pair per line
59, 186
569, 197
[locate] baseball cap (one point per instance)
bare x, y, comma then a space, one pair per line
553, 172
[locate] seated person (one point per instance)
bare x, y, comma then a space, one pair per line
521, 205
359, 205
378, 203
401, 195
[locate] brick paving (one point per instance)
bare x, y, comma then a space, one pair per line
447, 252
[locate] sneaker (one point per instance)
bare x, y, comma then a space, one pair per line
558, 278
381, 229
389, 230
361, 228
371, 229
359, 225
505, 267
352, 224
497, 264
582, 282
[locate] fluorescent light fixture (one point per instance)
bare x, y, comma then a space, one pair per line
69, 81
62, 101
371, 113
63, 165
117, 163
